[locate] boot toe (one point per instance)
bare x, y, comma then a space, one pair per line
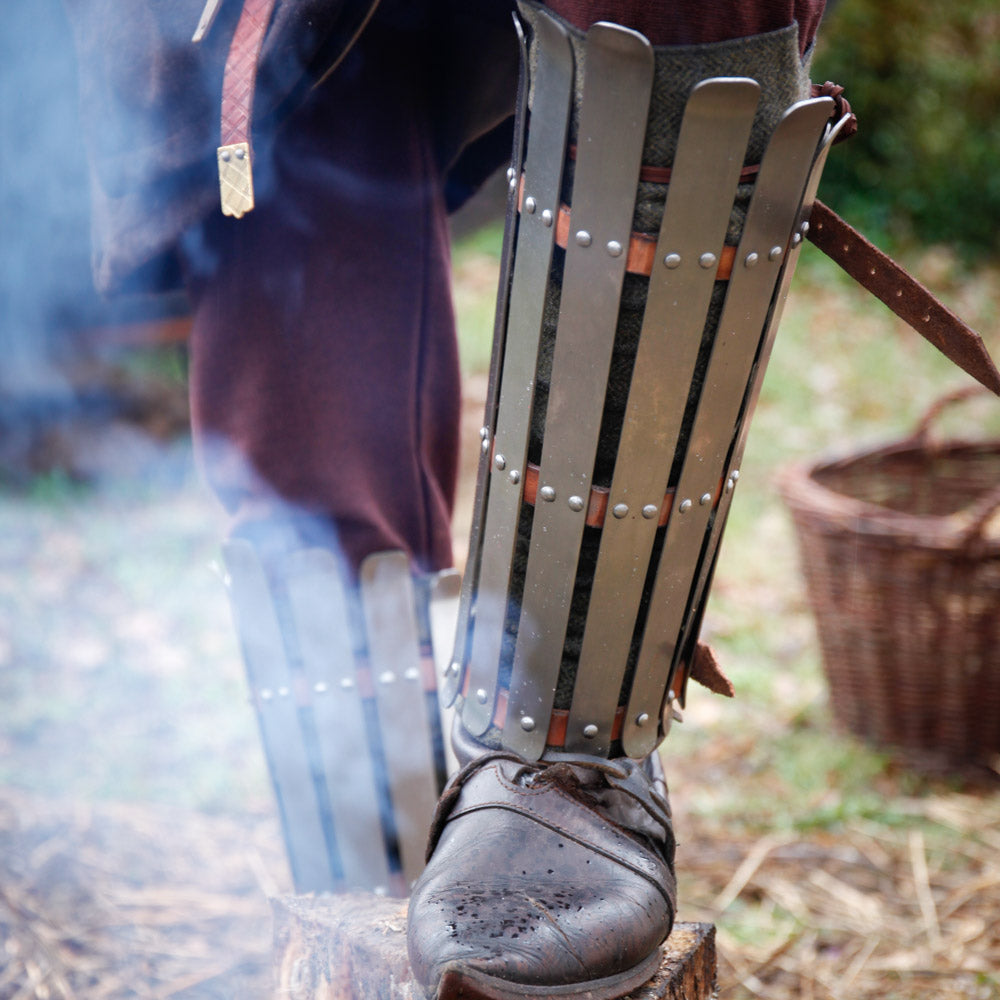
530, 890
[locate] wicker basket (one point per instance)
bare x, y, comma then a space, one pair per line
900, 550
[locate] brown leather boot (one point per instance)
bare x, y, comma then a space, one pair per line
545, 878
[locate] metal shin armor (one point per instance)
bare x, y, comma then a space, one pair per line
343, 684
653, 227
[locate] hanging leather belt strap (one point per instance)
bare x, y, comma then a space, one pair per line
903, 294
864, 262
235, 152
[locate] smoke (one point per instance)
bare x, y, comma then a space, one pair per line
129, 757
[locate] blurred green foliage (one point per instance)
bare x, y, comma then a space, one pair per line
924, 80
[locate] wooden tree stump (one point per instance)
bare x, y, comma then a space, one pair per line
353, 947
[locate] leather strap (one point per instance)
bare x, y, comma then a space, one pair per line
239, 81
558, 721
903, 294
641, 251
705, 671
597, 502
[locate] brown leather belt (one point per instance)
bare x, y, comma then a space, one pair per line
903, 294
235, 152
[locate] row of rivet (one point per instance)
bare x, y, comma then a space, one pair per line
240, 154
584, 239
346, 683
501, 463
706, 498
531, 206
589, 731
576, 503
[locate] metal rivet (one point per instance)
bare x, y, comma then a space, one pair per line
672, 260
453, 668
320, 687
266, 694
590, 731
735, 474
871, 271
583, 238
614, 248
899, 293
620, 510
500, 462
388, 677
347, 684
547, 493
547, 217
511, 173
751, 259
685, 506
650, 511
804, 228
670, 695
796, 239
575, 503
481, 696
642, 719
707, 260
514, 476
240, 154
926, 317
730, 484
705, 498
527, 723
412, 674
774, 253
530, 205
225, 155
484, 432
512, 183
486, 445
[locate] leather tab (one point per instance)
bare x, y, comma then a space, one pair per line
707, 672
235, 179
238, 84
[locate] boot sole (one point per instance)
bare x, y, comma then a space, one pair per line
471, 984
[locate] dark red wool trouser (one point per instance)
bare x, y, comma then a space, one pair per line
325, 382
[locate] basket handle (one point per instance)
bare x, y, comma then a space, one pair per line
979, 516
922, 430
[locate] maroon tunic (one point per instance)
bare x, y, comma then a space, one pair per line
324, 370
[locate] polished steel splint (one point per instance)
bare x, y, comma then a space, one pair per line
353, 739
661, 515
